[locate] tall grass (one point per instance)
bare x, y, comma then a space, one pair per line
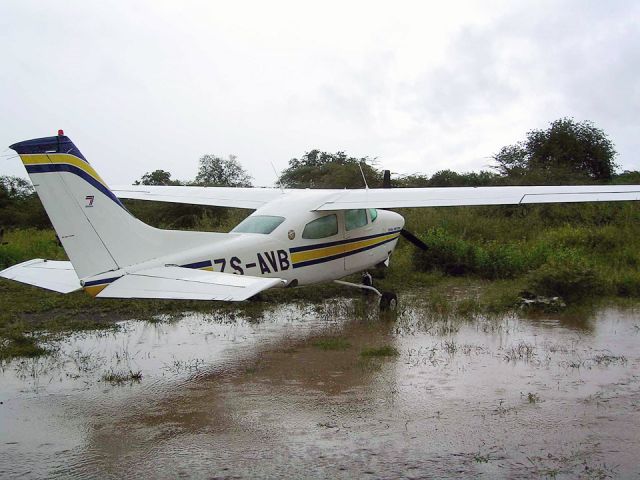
21, 245
572, 251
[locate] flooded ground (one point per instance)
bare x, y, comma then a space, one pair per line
301, 391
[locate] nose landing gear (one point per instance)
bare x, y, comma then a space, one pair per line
388, 300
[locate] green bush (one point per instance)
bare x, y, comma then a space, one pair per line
598, 240
456, 256
567, 274
628, 285
450, 254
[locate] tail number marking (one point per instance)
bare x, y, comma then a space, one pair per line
275, 261
269, 262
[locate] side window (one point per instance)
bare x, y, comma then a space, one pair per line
373, 213
355, 219
321, 227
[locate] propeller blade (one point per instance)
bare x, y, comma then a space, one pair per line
413, 239
386, 179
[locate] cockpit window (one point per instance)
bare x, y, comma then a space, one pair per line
355, 219
258, 224
321, 227
373, 213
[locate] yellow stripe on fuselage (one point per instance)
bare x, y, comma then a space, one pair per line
56, 158
338, 249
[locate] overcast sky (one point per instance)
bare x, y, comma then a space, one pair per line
422, 86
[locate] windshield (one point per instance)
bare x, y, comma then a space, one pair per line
258, 224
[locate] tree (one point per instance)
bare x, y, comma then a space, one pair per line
19, 204
157, 177
316, 169
566, 151
628, 177
15, 187
449, 178
215, 171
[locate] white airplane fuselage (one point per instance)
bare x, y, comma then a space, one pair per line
285, 253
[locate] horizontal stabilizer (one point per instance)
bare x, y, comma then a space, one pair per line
50, 274
187, 284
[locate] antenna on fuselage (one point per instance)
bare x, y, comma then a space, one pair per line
278, 182
363, 177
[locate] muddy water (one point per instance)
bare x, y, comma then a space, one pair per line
227, 396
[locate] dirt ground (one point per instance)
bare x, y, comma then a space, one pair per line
331, 390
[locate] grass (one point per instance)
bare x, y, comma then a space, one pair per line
16, 344
332, 343
21, 245
521, 351
576, 252
383, 351
606, 359
479, 458
120, 377
532, 398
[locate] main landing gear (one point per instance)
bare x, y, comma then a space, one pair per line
388, 300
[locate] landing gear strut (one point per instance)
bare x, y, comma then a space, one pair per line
388, 300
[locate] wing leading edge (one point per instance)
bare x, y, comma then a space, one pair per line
466, 196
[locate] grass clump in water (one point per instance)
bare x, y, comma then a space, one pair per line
332, 343
16, 344
384, 351
531, 397
119, 377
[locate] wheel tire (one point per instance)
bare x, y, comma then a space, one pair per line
388, 302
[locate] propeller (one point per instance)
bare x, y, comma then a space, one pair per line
413, 239
410, 237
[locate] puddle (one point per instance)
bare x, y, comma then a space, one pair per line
224, 396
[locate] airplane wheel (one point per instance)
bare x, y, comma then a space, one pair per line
388, 302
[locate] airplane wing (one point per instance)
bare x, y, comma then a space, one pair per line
252, 198
460, 196
50, 274
180, 283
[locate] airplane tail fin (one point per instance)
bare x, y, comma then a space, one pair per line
95, 229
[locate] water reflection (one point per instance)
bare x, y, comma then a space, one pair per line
255, 397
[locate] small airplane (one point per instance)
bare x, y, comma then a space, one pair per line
294, 237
